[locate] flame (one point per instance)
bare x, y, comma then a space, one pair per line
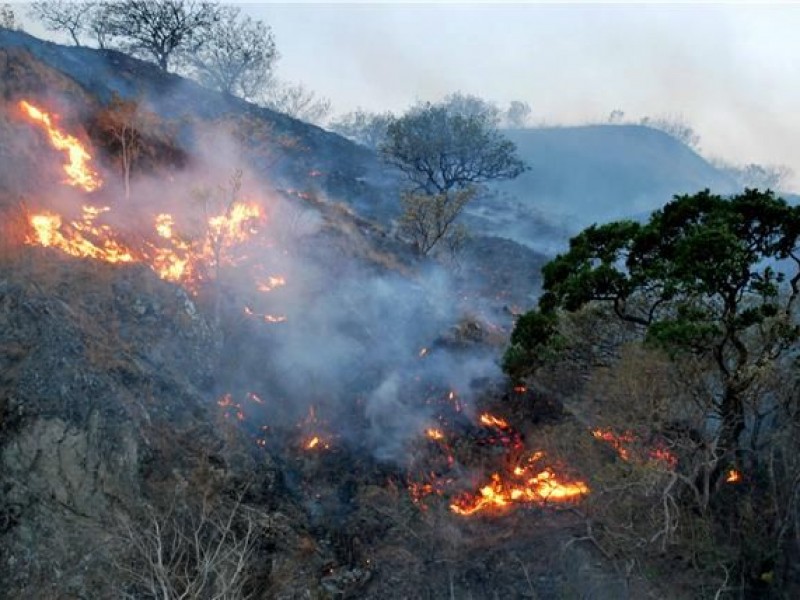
520, 389
523, 485
167, 254
434, 434
492, 421
622, 443
266, 318
733, 476
48, 230
617, 441
316, 443
230, 407
79, 173
271, 283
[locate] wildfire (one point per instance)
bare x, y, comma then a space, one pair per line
271, 283
231, 407
316, 443
79, 173
492, 421
733, 476
623, 443
617, 441
168, 255
264, 317
75, 238
434, 434
524, 485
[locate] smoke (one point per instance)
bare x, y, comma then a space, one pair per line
316, 316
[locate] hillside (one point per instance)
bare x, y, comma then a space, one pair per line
602, 172
227, 377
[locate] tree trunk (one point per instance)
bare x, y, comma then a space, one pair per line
732, 416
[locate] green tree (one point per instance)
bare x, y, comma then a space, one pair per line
705, 276
445, 155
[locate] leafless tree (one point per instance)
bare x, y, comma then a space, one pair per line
72, 18
363, 127
8, 19
159, 29
188, 551
517, 114
428, 219
237, 56
121, 124
297, 101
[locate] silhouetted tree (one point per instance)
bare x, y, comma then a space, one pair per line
8, 19
158, 29
72, 18
365, 128
674, 126
518, 114
237, 55
297, 101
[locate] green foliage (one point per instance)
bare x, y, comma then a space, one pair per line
535, 340
713, 277
438, 150
446, 151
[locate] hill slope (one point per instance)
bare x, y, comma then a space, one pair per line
608, 171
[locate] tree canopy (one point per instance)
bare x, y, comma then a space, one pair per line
706, 275
439, 150
157, 29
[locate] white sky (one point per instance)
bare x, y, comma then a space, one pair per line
731, 70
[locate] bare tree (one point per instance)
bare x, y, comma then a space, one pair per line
237, 56
428, 219
517, 114
8, 19
188, 551
363, 127
159, 29
297, 101
121, 124
676, 127
72, 18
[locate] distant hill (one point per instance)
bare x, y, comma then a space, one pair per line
580, 175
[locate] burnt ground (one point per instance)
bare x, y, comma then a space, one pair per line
109, 386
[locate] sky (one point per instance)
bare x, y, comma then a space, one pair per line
730, 70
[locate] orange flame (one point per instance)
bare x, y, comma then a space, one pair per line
48, 230
172, 258
434, 434
316, 443
522, 486
733, 476
79, 173
492, 421
622, 443
271, 283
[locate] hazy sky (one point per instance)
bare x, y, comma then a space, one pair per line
731, 70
